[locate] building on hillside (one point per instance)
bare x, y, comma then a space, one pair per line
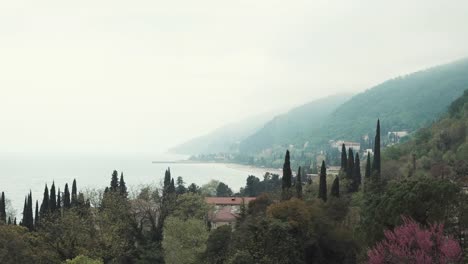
356, 146
395, 136
333, 170
225, 209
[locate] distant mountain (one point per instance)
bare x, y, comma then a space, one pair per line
295, 126
223, 139
404, 103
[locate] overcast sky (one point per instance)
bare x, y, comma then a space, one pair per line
141, 76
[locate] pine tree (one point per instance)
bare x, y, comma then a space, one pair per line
2, 208
66, 197
287, 176
52, 199
122, 185
344, 159
299, 184
323, 182
335, 189
114, 185
350, 166
74, 194
59, 201
180, 188
376, 166
45, 202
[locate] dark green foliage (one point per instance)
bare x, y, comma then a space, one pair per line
298, 184
45, 202
350, 165
253, 186
122, 186
335, 188
356, 175
167, 179
9, 221
114, 185
180, 188
28, 220
59, 200
193, 188
217, 246
368, 167
52, 199
2, 209
66, 197
223, 190
426, 200
344, 158
172, 186
287, 178
376, 165
323, 183
74, 194
456, 108
36, 215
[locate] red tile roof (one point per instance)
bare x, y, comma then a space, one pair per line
228, 200
224, 215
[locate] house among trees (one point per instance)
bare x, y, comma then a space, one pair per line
395, 136
226, 210
356, 146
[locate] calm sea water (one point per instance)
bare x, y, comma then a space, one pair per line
21, 173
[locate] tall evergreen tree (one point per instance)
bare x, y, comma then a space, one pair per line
122, 185
335, 189
344, 159
66, 198
14, 222
74, 194
287, 177
356, 175
172, 187
25, 209
45, 202
59, 200
376, 165
52, 198
323, 182
114, 185
9, 221
36, 215
167, 179
299, 184
28, 220
2, 208
368, 167
180, 188
350, 166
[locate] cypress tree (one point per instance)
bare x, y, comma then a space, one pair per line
350, 166
45, 202
14, 222
52, 198
24, 210
66, 197
9, 220
2, 208
335, 189
74, 194
59, 201
376, 166
286, 180
323, 182
299, 184
172, 186
122, 185
28, 221
36, 216
344, 159
368, 167
167, 179
356, 176
114, 185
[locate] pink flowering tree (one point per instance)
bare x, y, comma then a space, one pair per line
409, 243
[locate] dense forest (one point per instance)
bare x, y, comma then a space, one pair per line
403, 204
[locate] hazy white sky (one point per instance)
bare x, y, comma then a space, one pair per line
143, 75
